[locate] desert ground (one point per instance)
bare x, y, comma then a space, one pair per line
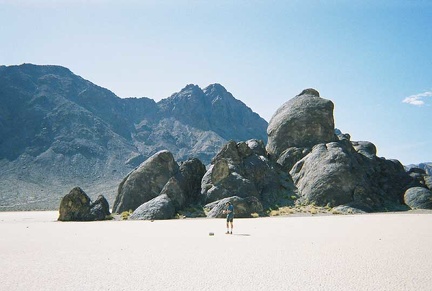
391, 251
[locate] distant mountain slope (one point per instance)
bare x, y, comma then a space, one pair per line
425, 166
217, 110
58, 130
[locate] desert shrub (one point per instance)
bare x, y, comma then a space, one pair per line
313, 210
274, 213
125, 214
281, 211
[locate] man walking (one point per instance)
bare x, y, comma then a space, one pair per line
229, 211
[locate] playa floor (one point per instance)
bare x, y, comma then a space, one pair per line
360, 252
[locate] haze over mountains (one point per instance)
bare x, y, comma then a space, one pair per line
58, 131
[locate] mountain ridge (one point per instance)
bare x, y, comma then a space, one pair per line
59, 130
426, 166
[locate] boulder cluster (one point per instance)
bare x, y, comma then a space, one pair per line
159, 187
77, 206
306, 161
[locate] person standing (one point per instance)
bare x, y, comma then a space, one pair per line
229, 211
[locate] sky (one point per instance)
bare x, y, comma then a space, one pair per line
373, 59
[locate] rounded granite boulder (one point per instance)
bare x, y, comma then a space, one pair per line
160, 207
418, 198
303, 121
146, 182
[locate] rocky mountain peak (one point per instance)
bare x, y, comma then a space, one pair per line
213, 108
59, 130
189, 90
215, 89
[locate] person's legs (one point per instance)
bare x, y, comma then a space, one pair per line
229, 222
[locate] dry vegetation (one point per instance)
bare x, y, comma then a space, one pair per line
299, 210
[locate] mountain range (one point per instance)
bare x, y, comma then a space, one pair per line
58, 131
427, 167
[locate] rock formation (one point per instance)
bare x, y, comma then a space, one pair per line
160, 207
336, 174
99, 209
240, 172
243, 170
328, 175
306, 161
243, 207
159, 187
146, 182
77, 206
303, 121
421, 177
418, 198
184, 187
329, 169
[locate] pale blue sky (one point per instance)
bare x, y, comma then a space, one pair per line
365, 56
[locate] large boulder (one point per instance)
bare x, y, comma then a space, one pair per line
242, 169
326, 166
418, 198
304, 121
99, 209
146, 182
389, 180
173, 189
365, 148
77, 206
190, 175
160, 207
184, 187
337, 174
330, 174
291, 156
216, 187
243, 207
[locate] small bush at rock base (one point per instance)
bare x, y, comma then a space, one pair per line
125, 214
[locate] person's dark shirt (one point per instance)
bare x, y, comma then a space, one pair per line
230, 208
